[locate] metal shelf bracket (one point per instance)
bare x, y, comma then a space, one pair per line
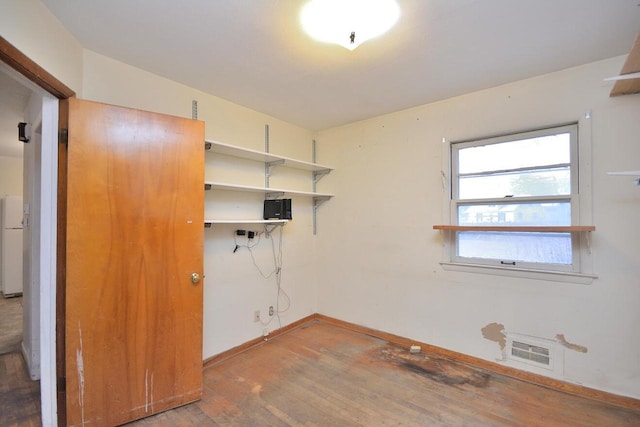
269, 228
318, 175
317, 201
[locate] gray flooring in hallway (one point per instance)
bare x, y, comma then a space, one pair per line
10, 324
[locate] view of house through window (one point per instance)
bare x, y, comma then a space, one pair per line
527, 179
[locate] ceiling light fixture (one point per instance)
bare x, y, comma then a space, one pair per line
348, 23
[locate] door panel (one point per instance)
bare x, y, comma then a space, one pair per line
134, 226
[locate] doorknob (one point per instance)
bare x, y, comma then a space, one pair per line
195, 278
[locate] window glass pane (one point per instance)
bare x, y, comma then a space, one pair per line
540, 151
548, 248
555, 213
550, 182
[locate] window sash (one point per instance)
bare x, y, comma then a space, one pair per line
511, 262
572, 198
572, 129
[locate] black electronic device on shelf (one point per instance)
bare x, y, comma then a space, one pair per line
277, 209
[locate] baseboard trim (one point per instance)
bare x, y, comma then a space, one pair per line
574, 389
33, 366
220, 357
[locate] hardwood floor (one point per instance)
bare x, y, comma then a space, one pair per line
10, 324
323, 375
19, 396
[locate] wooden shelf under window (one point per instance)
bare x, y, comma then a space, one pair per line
507, 228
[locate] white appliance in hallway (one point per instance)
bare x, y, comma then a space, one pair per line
11, 245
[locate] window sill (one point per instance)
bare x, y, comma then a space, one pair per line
533, 229
526, 273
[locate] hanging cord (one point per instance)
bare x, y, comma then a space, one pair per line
277, 270
249, 246
277, 261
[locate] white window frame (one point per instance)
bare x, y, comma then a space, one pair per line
580, 269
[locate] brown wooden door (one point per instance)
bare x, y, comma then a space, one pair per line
134, 236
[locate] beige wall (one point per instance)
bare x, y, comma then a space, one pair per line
30, 27
10, 176
234, 288
380, 256
375, 260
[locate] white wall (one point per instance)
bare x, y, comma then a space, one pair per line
375, 259
31, 242
10, 176
380, 256
233, 288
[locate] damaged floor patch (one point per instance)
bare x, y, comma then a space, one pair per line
562, 340
435, 368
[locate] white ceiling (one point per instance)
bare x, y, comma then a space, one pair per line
254, 53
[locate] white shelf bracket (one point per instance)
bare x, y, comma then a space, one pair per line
272, 164
267, 170
318, 175
269, 228
317, 201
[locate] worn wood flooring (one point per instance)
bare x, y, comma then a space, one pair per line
19, 396
323, 375
10, 324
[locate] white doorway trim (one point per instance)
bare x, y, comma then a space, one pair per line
48, 245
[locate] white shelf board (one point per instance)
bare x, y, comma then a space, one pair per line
236, 187
260, 156
625, 173
623, 77
246, 221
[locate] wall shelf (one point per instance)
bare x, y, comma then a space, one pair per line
506, 228
268, 191
260, 156
625, 173
625, 85
628, 173
269, 161
209, 222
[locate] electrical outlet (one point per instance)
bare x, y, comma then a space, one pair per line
256, 316
270, 310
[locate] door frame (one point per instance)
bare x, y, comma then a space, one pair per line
52, 90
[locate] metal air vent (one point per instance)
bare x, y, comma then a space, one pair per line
530, 352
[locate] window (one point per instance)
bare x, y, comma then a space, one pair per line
524, 179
